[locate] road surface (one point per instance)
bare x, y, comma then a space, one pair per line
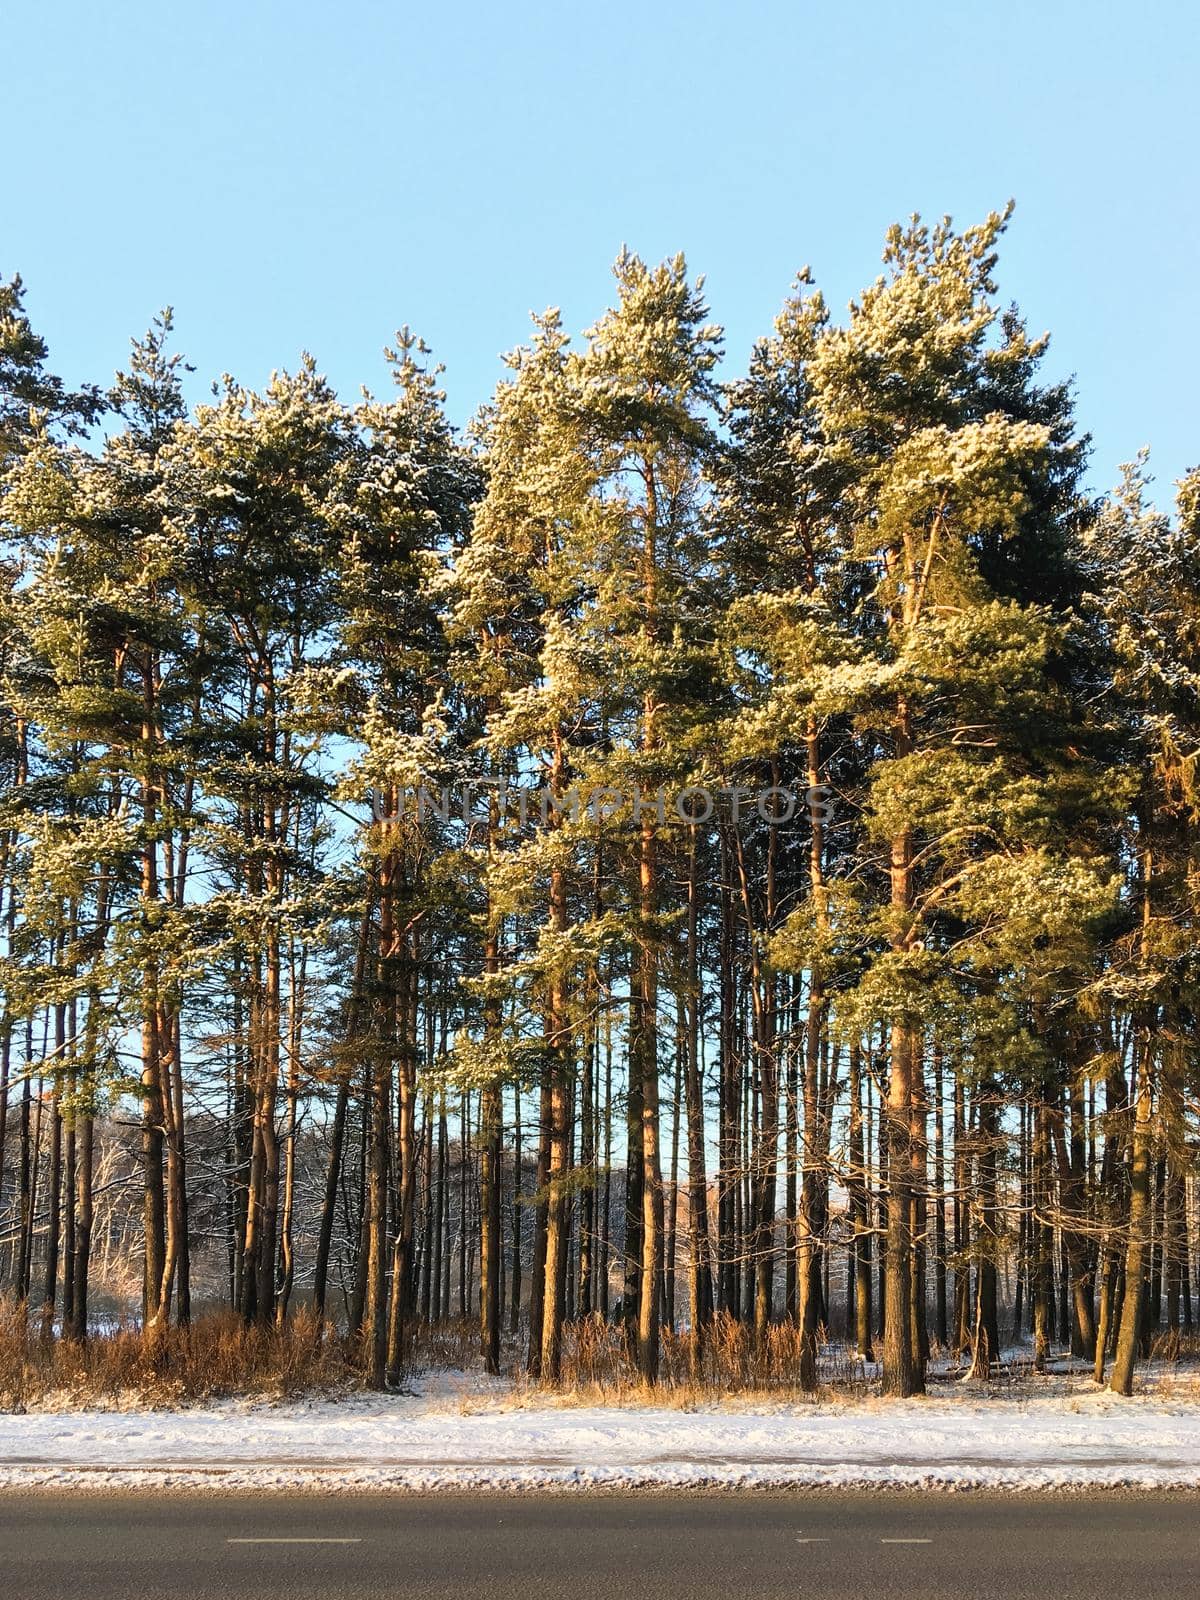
612, 1547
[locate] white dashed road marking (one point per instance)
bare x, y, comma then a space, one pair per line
293, 1541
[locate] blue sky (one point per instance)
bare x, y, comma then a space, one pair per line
302, 175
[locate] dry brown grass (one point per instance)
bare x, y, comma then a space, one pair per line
452, 1346
597, 1362
217, 1356
598, 1365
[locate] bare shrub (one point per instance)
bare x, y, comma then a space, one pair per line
218, 1355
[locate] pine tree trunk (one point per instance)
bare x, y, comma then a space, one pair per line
631, 1288
729, 1099
517, 1217
441, 1251
490, 1241
1139, 1220
337, 1136
940, 1306
558, 1045
986, 1342
900, 1374
53, 1210
401, 1303
1040, 1235
699, 1280
375, 1310
808, 1264
644, 1061
860, 1218
537, 1278
587, 1163
84, 1217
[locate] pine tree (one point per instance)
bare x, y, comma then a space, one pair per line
32, 399
253, 660
1149, 599
413, 486
790, 586
517, 597
908, 397
256, 485
644, 392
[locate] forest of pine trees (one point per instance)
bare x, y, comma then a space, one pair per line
856, 997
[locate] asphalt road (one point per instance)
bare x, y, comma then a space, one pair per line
540, 1547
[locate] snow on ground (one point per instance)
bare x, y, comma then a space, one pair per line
469, 1435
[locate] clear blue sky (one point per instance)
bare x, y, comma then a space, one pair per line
297, 174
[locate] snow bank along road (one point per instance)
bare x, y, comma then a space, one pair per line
488, 1441
611, 1547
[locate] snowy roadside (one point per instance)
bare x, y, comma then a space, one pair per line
488, 1438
